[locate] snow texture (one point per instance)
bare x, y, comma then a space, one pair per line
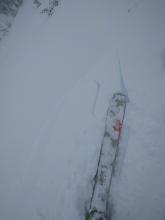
57, 76
5, 24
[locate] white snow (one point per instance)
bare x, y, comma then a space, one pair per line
5, 24
57, 76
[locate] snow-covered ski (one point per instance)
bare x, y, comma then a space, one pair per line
99, 207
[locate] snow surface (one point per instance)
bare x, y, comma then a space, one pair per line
57, 76
5, 24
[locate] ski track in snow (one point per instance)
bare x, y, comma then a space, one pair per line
96, 97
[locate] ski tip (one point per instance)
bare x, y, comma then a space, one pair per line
124, 94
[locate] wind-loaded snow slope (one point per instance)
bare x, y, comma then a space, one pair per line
57, 77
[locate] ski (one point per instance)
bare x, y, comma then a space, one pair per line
99, 207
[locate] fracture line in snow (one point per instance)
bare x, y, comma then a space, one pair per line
96, 97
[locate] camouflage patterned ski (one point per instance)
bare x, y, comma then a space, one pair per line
107, 159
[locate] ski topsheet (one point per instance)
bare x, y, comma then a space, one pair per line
99, 206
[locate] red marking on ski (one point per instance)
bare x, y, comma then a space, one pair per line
118, 126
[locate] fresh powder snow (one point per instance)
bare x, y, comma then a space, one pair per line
58, 73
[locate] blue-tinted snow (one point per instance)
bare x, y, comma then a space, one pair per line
52, 114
